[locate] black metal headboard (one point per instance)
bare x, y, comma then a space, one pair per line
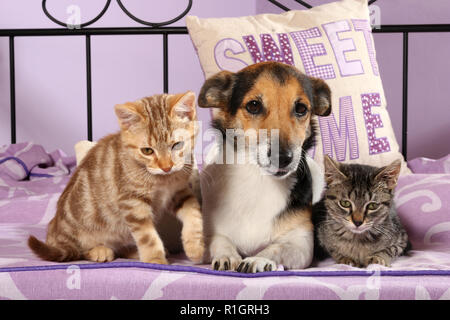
163, 28
303, 3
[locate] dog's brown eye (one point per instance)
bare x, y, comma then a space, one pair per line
254, 107
300, 109
147, 151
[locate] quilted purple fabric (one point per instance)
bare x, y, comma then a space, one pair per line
426, 165
26, 207
27, 160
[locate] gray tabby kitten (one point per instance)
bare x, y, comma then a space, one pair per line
355, 222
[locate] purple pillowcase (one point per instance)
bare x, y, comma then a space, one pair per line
425, 165
423, 205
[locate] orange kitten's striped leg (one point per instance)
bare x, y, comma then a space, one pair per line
192, 232
148, 242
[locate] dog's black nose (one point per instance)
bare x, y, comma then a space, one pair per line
283, 158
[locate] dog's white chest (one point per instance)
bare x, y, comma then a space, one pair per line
240, 202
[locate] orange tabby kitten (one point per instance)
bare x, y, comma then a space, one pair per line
126, 183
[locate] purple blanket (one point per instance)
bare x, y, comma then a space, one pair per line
26, 206
27, 160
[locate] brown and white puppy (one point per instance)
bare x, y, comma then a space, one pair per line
257, 207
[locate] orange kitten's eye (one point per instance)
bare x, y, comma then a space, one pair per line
147, 151
178, 145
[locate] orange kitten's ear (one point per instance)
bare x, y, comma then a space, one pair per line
333, 173
184, 106
128, 114
389, 174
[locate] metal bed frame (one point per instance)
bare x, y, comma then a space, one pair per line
163, 28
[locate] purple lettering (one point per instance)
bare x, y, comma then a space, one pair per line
364, 27
341, 136
341, 46
309, 51
225, 62
270, 50
373, 121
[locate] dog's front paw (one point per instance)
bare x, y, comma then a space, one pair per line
256, 264
226, 262
349, 261
377, 260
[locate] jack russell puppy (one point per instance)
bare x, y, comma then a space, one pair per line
257, 187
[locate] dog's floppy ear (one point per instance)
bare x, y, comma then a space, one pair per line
216, 91
321, 97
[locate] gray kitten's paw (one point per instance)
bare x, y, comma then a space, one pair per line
348, 261
256, 264
226, 262
378, 260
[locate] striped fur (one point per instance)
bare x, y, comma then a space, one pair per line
347, 227
117, 197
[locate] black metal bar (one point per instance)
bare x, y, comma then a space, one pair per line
279, 5
405, 96
400, 28
303, 3
89, 87
183, 30
91, 31
12, 88
166, 62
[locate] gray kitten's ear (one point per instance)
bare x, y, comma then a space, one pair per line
321, 97
216, 91
333, 174
388, 175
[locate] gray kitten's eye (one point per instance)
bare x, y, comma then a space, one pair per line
345, 203
178, 145
373, 206
147, 151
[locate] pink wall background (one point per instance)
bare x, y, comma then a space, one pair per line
50, 71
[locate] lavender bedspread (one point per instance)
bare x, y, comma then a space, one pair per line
27, 203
